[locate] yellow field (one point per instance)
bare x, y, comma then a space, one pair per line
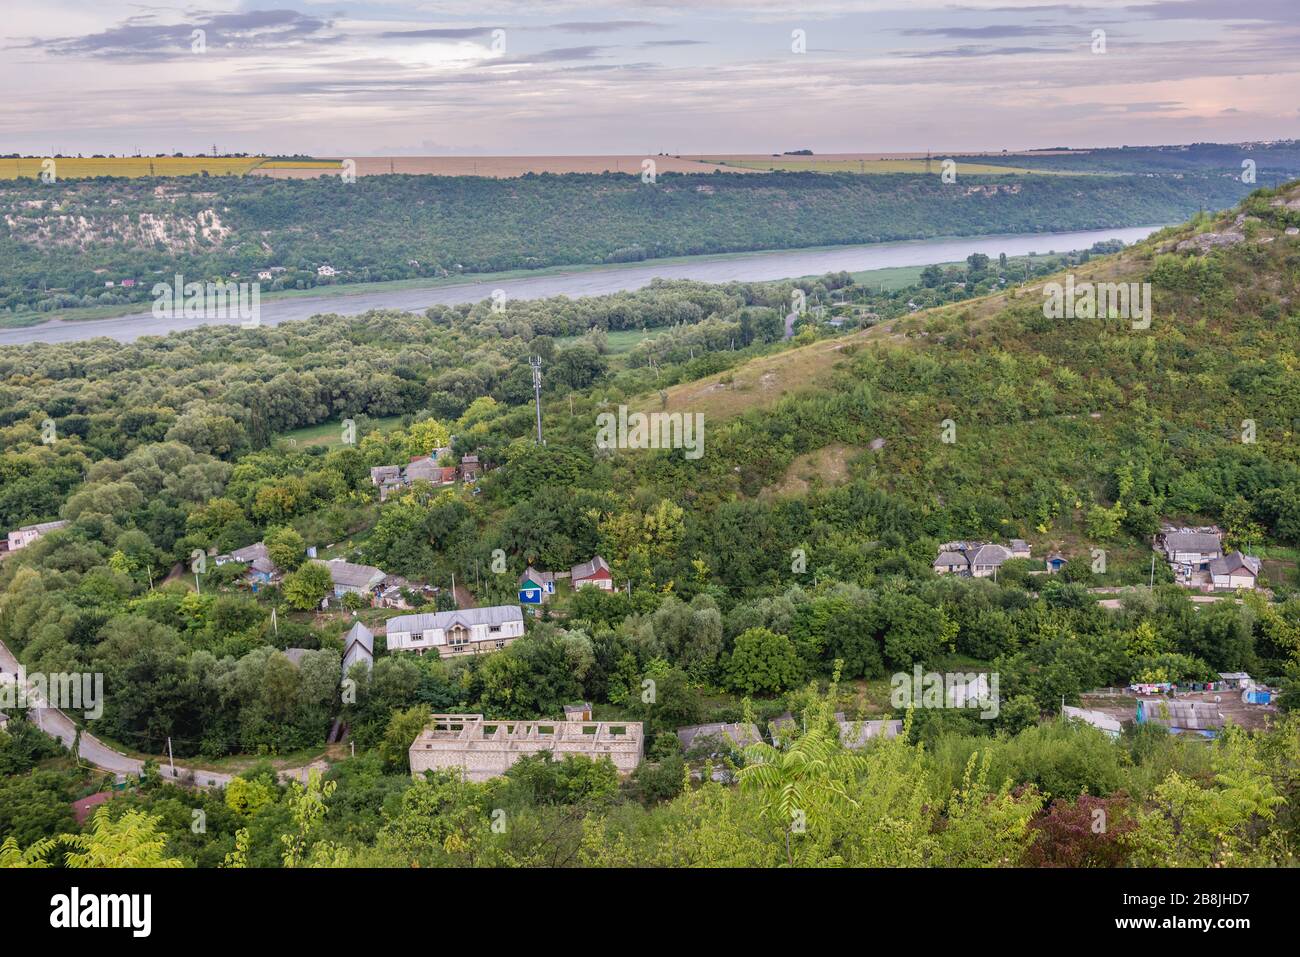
135, 166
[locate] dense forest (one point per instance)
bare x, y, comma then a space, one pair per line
1075, 434
73, 243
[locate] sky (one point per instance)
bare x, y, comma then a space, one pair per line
491, 77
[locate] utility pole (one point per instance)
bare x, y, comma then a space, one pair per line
536, 363
170, 759
1152, 583
275, 623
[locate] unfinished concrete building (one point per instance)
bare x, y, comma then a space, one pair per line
486, 749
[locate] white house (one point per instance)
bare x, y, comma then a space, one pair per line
1235, 571
326, 270
472, 631
1098, 719
22, 537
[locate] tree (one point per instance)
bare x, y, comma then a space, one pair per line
133, 840
305, 588
802, 782
763, 662
285, 547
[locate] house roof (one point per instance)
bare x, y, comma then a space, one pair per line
423, 469
1098, 719
354, 576
1234, 676
537, 577
739, 734
43, 527
856, 734
491, 615
950, 558
1192, 542
1235, 563
264, 565
381, 472
250, 553
591, 569
581, 707
989, 555
359, 634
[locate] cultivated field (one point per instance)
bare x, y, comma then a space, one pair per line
503, 167
72, 167
865, 163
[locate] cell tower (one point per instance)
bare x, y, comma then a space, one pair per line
536, 363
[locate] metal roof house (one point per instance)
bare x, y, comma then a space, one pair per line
465, 631
1234, 571
347, 577
358, 647
595, 572
535, 586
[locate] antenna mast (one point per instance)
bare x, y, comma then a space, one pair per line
536, 363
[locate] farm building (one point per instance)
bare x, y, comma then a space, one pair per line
355, 579
1055, 562
1181, 717
976, 559
578, 712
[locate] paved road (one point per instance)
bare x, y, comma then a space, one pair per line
747, 267
93, 751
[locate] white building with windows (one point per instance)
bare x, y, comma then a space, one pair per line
466, 631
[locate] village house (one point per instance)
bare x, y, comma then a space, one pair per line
855, 735
471, 631
595, 572
358, 648
578, 712
1055, 562
487, 749
326, 270
1189, 552
261, 570
1234, 571
976, 559
354, 579
470, 469
535, 586
22, 537
421, 468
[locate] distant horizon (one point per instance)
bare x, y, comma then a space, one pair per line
642, 77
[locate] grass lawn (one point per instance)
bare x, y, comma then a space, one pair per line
331, 433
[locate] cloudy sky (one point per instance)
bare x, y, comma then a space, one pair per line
709, 76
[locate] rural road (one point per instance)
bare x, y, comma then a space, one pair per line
90, 749
743, 267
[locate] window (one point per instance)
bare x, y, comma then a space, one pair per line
494, 629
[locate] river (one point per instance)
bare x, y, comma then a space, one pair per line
745, 267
